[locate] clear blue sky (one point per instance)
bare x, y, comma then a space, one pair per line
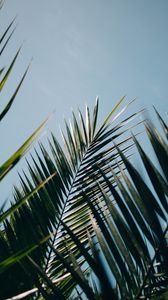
82, 49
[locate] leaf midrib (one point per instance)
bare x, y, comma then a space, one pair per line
66, 201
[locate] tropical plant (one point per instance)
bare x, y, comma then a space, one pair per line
84, 223
4, 40
15, 157
91, 204
56, 194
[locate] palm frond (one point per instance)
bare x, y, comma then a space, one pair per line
103, 219
10, 252
63, 200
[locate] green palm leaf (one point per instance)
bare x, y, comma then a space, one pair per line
98, 202
77, 169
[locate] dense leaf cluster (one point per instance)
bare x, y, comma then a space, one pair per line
84, 223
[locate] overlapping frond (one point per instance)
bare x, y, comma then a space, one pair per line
130, 222
87, 151
11, 249
92, 225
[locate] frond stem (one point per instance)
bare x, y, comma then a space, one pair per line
64, 206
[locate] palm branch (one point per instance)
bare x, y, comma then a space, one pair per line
87, 150
84, 222
130, 222
5, 73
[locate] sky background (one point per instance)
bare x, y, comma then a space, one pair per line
81, 49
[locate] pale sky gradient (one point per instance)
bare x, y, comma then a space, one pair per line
82, 49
